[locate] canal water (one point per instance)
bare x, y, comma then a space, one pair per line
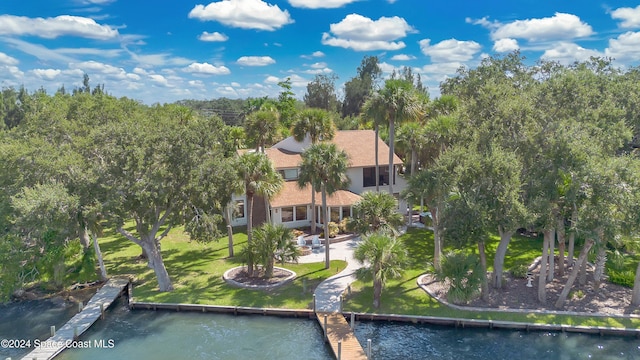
143, 334
30, 320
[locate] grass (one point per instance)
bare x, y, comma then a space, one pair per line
403, 296
196, 272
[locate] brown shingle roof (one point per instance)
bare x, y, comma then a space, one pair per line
358, 144
360, 147
291, 195
283, 159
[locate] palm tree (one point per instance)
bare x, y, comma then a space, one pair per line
396, 101
318, 125
260, 178
373, 110
386, 259
412, 139
271, 242
324, 166
261, 127
376, 212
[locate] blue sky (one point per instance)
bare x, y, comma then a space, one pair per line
172, 50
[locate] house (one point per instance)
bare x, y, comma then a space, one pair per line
292, 206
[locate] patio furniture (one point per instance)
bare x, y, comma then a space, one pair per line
301, 241
315, 243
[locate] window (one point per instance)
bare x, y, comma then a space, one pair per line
289, 174
369, 176
335, 214
301, 212
287, 214
239, 209
346, 212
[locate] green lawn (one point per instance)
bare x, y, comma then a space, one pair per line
196, 271
403, 296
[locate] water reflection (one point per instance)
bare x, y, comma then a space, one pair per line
145, 334
30, 320
404, 341
170, 335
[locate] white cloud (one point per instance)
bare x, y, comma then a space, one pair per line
255, 60
227, 91
159, 59
387, 68
318, 65
107, 53
567, 53
450, 50
361, 33
245, 14
214, 36
403, 57
318, 68
625, 47
630, 16
196, 83
315, 54
206, 69
506, 45
37, 50
559, 26
7, 60
320, 4
46, 74
51, 28
91, 67
159, 79
296, 80
272, 79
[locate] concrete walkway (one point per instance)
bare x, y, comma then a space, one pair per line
329, 291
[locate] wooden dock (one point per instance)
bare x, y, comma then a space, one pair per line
80, 322
338, 330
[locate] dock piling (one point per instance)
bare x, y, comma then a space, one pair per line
353, 321
53, 330
325, 328
339, 349
369, 349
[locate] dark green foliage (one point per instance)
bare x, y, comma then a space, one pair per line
321, 93
464, 273
519, 271
270, 243
624, 278
360, 87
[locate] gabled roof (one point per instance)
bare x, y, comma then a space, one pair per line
358, 144
292, 195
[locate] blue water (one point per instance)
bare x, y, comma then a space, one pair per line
404, 341
143, 334
31, 320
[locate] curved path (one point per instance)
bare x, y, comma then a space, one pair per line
329, 291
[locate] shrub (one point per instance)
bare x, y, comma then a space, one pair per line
519, 271
464, 273
624, 278
576, 295
342, 226
334, 229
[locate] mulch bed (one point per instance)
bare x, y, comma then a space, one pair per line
242, 276
607, 299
